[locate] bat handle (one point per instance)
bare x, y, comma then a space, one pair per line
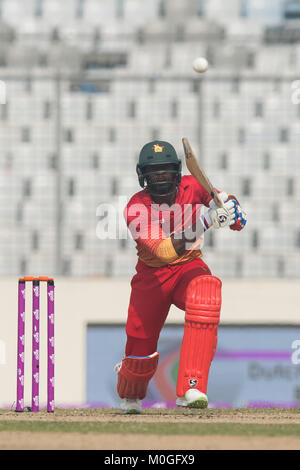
217, 199
222, 203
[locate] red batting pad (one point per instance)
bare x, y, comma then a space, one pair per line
134, 376
203, 305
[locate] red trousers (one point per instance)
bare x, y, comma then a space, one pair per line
153, 291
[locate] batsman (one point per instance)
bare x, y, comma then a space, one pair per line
167, 219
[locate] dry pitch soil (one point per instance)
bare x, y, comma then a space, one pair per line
108, 429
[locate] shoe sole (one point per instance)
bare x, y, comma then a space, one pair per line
198, 404
195, 404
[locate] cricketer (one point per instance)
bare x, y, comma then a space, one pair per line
167, 220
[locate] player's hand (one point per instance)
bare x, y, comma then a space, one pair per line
240, 218
240, 215
224, 216
224, 198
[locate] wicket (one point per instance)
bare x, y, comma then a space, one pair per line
35, 342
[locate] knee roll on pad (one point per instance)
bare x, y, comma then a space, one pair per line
203, 305
135, 374
203, 299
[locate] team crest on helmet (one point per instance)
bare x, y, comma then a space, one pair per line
158, 148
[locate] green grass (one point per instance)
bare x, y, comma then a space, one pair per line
197, 422
199, 429
206, 413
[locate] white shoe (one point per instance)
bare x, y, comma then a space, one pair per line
131, 406
193, 398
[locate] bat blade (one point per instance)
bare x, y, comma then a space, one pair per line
198, 173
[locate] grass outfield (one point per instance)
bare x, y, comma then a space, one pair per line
158, 421
199, 429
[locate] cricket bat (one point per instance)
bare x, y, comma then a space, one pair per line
198, 173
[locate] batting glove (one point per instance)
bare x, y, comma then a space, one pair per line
223, 216
223, 196
240, 217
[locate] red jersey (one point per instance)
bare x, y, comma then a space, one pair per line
150, 224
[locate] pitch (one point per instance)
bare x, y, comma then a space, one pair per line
155, 429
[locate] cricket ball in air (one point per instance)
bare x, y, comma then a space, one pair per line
200, 65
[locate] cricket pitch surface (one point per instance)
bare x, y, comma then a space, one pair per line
155, 429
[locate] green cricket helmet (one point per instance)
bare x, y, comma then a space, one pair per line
161, 153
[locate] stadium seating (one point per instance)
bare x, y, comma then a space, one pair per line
127, 79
